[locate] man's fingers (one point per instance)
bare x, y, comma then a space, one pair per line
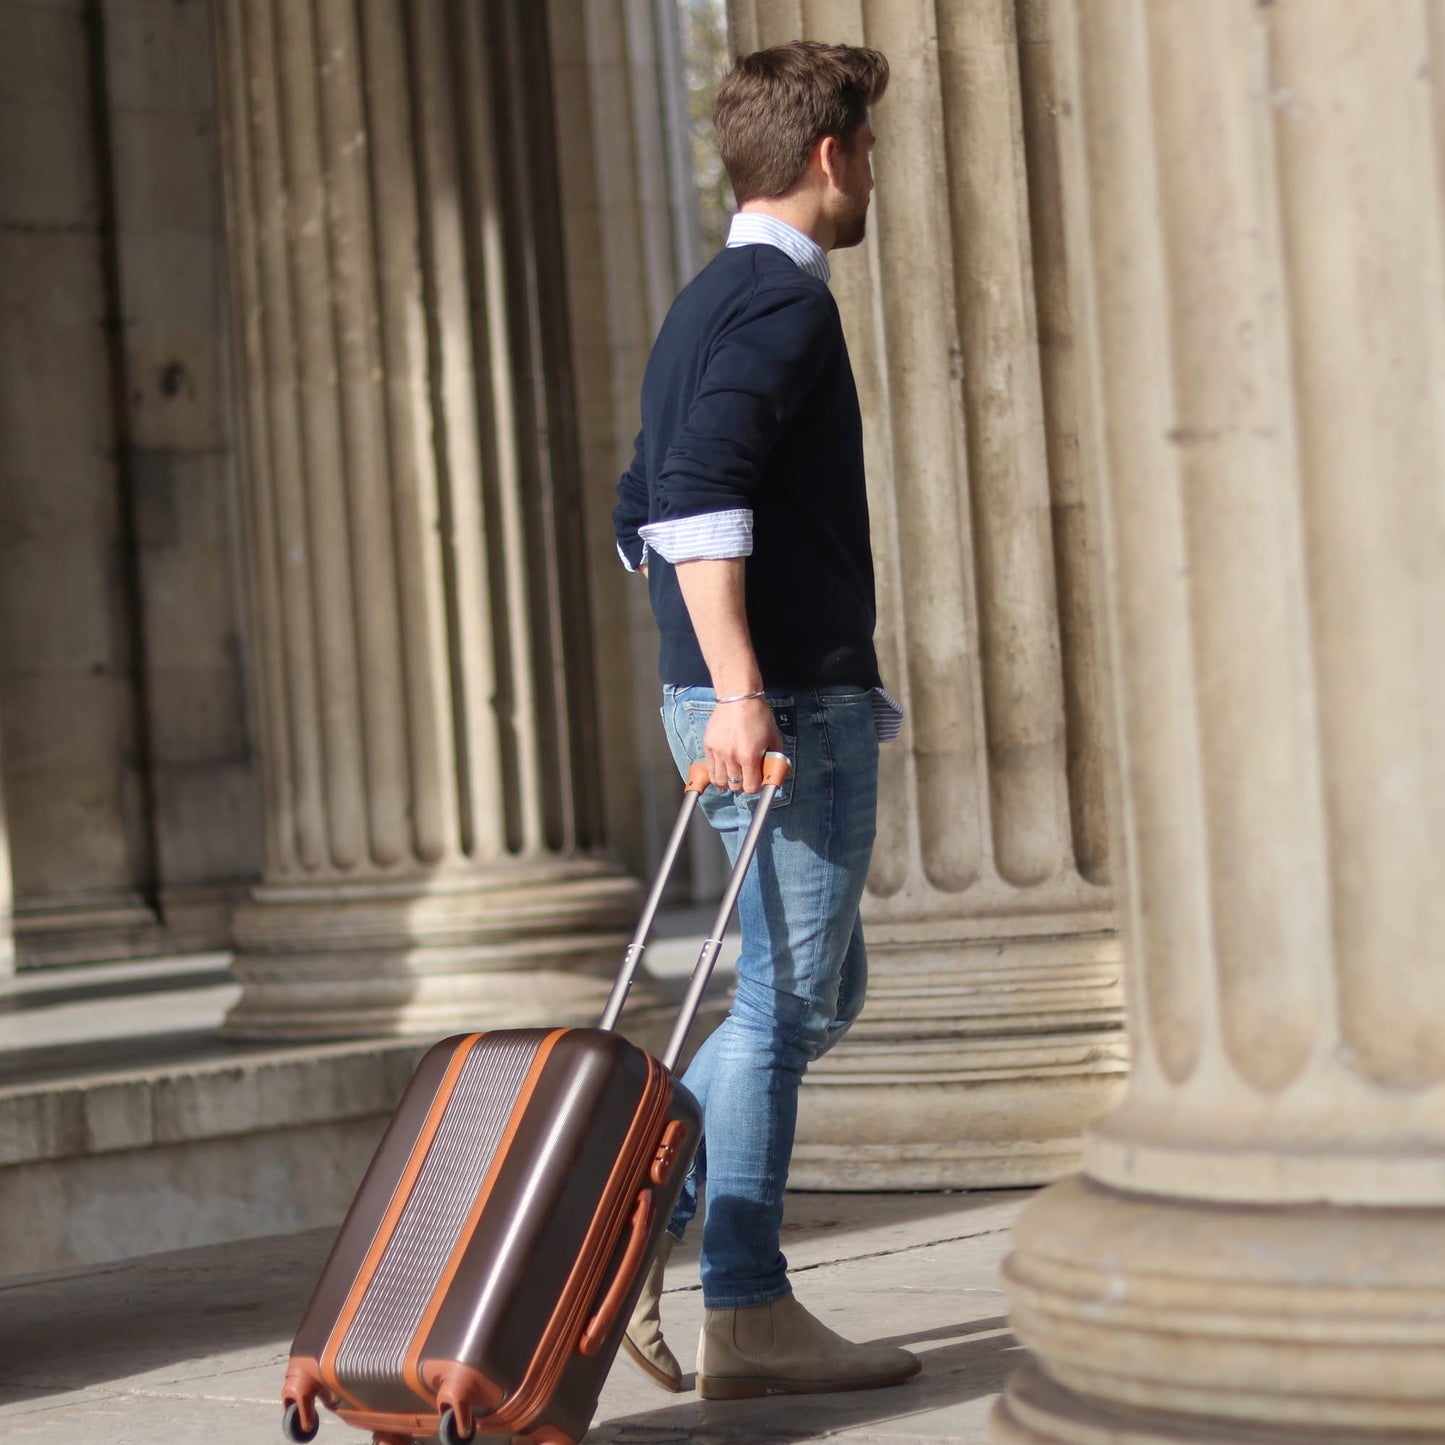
745, 775
730, 774
734, 744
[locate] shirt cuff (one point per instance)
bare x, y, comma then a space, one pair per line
712, 536
887, 714
641, 561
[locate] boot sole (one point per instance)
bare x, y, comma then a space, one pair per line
741, 1387
660, 1378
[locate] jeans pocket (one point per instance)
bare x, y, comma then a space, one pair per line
699, 711
785, 715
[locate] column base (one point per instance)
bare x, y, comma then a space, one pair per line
1035, 1411
860, 1129
521, 946
1160, 1320
977, 1065
87, 928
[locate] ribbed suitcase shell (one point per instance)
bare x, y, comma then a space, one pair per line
489, 1229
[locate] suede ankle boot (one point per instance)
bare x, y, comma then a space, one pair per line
780, 1349
643, 1341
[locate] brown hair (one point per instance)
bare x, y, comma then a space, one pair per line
773, 105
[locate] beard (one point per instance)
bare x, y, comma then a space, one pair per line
852, 226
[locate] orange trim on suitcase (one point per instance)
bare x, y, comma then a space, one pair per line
423, 1423
393, 1214
303, 1387
563, 1335
460, 1389
669, 1151
412, 1368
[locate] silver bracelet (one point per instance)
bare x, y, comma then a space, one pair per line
742, 696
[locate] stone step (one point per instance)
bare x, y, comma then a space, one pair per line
127, 1126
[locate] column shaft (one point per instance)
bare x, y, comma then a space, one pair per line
411, 473
631, 229
992, 1033
1022, 683
1084, 699
442, 598
7, 895
1256, 1242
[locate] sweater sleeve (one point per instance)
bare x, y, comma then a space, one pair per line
759, 374
630, 513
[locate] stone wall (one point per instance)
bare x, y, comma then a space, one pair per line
129, 768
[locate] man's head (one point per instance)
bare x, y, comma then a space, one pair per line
792, 123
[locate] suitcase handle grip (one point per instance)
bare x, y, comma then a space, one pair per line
776, 768
595, 1335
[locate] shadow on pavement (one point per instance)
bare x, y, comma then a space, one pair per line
153, 1315
977, 1362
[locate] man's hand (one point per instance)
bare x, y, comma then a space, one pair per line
737, 736
740, 732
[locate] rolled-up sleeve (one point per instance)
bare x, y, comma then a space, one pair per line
707, 536
630, 514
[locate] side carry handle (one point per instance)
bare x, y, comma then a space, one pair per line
595, 1335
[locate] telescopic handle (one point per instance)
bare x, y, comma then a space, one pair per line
697, 780
775, 771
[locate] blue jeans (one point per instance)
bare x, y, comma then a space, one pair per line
801, 975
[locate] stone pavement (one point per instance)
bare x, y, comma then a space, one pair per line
190, 1346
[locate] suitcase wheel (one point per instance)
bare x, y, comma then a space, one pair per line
294, 1428
450, 1432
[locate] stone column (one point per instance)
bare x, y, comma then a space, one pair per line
7, 894
993, 1031
434, 852
631, 245
1257, 1245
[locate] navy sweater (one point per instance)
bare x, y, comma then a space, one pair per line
748, 401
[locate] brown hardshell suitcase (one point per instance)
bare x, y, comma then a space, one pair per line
483, 1278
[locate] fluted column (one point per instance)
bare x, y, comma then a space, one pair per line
424, 675
7, 894
1257, 1244
992, 1032
630, 226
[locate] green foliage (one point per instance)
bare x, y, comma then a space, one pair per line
705, 53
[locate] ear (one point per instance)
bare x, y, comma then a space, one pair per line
828, 154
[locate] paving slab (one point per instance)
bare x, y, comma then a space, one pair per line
191, 1346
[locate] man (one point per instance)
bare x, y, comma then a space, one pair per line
745, 507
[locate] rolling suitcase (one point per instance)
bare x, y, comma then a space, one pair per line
484, 1276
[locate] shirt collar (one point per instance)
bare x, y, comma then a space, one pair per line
753, 228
